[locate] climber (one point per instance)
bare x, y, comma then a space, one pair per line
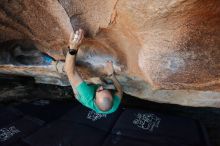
93, 96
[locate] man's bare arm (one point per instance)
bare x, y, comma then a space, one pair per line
110, 71
71, 71
119, 90
70, 68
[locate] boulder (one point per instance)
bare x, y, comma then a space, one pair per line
171, 44
44, 22
168, 45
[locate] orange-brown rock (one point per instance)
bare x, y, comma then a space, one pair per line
43, 21
182, 49
169, 44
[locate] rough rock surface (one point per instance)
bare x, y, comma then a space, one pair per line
169, 44
44, 22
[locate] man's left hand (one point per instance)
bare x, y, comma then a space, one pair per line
109, 68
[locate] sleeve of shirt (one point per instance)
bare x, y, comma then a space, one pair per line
85, 91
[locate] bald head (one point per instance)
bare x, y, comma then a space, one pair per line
103, 100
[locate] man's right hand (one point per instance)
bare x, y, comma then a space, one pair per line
74, 42
76, 39
69, 67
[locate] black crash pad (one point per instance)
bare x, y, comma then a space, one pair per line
15, 131
66, 133
157, 128
8, 115
119, 140
80, 126
85, 116
46, 110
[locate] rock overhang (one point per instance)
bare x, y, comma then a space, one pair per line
172, 45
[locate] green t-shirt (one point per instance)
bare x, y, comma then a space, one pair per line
86, 96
